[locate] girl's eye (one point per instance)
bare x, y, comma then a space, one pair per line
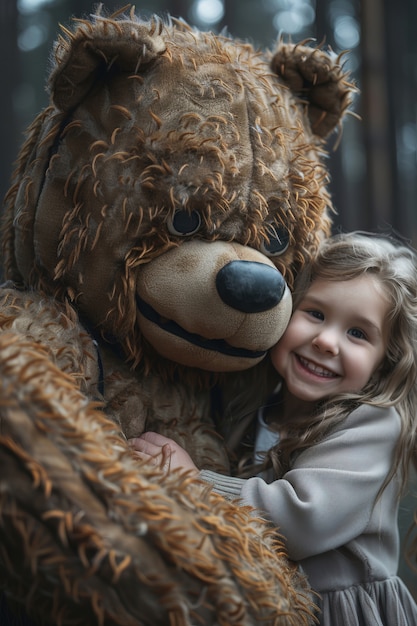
357, 333
184, 223
316, 314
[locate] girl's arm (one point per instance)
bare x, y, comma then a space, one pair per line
168, 455
327, 498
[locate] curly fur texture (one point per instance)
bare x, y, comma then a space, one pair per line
161, 206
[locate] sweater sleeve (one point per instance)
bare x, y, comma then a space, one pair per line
226, 486
327, 498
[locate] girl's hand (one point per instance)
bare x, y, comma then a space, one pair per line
162, 451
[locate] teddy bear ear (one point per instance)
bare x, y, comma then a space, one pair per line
84, 56
318, 80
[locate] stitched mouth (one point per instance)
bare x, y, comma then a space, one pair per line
214, 345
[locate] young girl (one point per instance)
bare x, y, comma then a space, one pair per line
336, 440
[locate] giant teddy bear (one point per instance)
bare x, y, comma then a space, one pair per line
161, 206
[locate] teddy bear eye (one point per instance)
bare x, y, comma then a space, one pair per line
276, 242
184, 222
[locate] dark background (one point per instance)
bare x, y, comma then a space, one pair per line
374, 169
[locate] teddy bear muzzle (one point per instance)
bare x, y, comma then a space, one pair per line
214, 305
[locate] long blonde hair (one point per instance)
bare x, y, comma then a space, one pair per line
394, 264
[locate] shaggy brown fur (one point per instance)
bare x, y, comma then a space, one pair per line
161, 206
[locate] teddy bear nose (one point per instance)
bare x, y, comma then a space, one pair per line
249, 286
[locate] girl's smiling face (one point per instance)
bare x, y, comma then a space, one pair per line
335, 340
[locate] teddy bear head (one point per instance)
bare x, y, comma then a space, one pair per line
175, 185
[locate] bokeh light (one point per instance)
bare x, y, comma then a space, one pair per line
207, 12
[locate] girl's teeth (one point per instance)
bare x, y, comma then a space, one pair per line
317, 369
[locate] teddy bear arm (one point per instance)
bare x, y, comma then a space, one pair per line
54, 517
79, 542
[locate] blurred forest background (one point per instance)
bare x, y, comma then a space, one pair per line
374, 168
